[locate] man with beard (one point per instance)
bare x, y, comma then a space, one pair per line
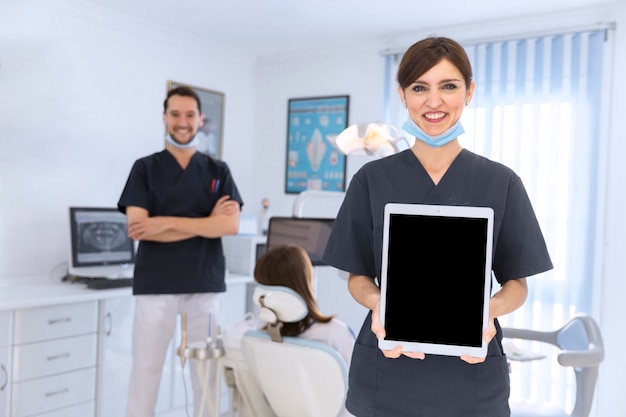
179, 203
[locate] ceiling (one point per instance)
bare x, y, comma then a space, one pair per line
275, 27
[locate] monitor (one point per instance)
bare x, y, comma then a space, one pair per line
310, 233
100, 246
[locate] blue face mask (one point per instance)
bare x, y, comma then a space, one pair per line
433, 141
172, 141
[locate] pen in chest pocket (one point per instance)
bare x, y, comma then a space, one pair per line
215, 185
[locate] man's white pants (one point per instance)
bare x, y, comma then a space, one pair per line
153, 327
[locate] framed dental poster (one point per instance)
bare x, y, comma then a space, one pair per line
313, 163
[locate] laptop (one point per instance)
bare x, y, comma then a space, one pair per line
436, 278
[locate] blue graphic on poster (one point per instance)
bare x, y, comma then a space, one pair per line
313, 163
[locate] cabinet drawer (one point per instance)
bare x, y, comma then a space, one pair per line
53, 357
54, 392
81, 410
52, 322
5, 328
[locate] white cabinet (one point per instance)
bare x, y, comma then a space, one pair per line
5, 362
64, 390
115, 335
5, 385
54, 360
74, 359
115, 359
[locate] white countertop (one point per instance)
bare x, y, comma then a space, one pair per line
37, 291
34, 293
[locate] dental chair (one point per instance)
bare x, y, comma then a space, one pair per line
292, 377
580, 348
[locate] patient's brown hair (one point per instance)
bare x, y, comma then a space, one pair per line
290, 266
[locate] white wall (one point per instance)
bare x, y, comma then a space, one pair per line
356, 72
611, 275
81, 96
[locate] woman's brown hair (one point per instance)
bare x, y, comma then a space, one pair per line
290, 266
426, 53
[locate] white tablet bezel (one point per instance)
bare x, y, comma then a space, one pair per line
446, 211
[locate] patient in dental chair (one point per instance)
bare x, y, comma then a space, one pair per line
286, 266
290, 266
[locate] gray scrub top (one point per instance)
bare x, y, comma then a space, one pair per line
160, 185
440, 386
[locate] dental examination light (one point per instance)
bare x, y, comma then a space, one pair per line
365, 142
376, 139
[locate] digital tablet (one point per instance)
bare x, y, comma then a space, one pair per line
436, 278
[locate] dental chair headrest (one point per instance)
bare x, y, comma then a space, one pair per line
278, 305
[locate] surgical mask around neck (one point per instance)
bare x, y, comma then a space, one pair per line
193, 142
433, 141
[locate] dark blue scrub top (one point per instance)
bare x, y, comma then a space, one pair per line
438, 386
160, 185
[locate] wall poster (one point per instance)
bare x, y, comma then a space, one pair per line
313, 163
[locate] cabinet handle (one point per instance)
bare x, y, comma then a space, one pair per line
61, 391
59, 356
6, 377
63, 320
109, 322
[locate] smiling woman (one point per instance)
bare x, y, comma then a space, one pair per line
434, 78
536, 109
435, 103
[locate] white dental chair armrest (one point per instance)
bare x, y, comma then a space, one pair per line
590, 357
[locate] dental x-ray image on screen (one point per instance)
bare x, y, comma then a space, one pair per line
100, 245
